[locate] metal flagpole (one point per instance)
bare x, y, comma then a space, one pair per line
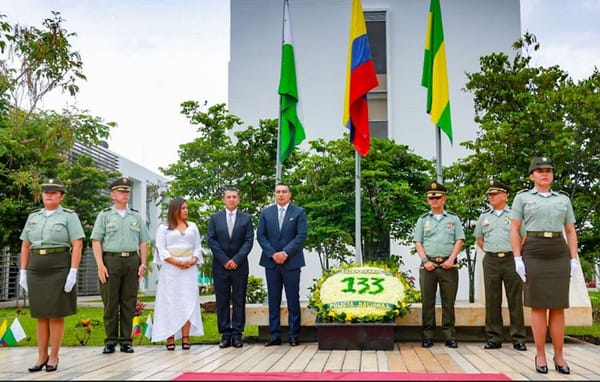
278, 161
357, 224
438, 146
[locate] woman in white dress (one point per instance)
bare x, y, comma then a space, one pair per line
177, 306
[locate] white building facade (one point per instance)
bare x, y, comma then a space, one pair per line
397, 29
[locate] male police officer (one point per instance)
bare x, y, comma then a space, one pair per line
492, 234
439, 237
119, 241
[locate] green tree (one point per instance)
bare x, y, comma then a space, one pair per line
224, 154
392, 180
525, 111
35, 144
83, 183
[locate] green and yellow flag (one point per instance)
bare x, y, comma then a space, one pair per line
435, 73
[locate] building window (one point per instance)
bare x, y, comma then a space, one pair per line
378, 104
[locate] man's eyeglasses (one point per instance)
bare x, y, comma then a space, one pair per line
434, 197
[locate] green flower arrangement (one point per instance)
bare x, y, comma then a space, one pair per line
372, 292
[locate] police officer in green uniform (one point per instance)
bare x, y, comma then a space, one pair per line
545, 258
52, 240
119, 241
492, 234
439, 237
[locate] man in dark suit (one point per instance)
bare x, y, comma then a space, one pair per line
230, 238
281, 232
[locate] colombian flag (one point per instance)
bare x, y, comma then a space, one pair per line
136, 327
360, 78
435, 74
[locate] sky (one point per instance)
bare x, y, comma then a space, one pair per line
142, 58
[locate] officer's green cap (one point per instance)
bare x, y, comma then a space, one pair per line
53, 184
540, 162
496, 186
121, 184
436, 189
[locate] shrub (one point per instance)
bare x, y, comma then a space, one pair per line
256, 292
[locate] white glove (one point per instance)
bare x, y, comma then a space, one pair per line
520, 267
23, 279
574, 267
71, 280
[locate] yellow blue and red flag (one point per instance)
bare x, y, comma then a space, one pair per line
361, 77
136, 329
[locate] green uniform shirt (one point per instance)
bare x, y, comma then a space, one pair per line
494, 229
542, 213
119, 234
54, 231
438, 236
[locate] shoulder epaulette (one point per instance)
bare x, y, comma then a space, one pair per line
523, 190
425, 214
489, 210
450, 213
107, 209
38, 210
134, 210
68, 210
565, 193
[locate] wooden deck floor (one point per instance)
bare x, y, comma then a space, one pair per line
155, 363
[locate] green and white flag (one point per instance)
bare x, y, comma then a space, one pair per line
12, 335
291, 131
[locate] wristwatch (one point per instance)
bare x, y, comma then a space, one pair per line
424, 260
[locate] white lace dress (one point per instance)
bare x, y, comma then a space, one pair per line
177, 297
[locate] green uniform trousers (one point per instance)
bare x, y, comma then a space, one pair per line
496, 271
119, 296
448, 283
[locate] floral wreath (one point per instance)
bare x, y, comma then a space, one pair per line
373, 292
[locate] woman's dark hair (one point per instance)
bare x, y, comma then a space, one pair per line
173, 212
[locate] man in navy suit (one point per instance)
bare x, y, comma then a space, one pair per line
281, 232
230, 238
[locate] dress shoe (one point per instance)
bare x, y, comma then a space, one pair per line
561, 369
126, 348
237, 343
108, 349
50, 368
540, 369
225, 343
273, 341
427, 343
520, 346
294, 341
452, 344
39, 367
492, 345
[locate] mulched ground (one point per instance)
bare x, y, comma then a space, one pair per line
590, 339
209, 307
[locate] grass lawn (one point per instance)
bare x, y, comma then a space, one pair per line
591, 331
74, 332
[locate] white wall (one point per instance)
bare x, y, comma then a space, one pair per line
472, 28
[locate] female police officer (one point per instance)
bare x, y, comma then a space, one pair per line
548, 260
50, 254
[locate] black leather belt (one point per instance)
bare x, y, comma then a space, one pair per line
499, 254
49, 251
121, 254
437, 260
544, 234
